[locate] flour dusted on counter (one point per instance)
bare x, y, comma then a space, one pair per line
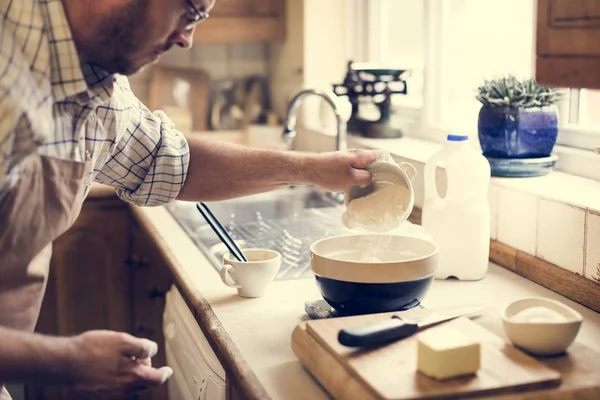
538, 314
382, 208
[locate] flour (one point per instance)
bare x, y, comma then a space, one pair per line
375, 249
380, 210
538, 314
370, 259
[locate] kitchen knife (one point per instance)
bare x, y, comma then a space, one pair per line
395, 328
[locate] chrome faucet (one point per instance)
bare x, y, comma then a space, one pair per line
289, 131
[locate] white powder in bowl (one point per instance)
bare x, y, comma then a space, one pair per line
370, 260
382, 208
538, 314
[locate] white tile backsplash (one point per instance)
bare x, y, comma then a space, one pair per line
247, 59
493, 200
560, 238
212, 58
592, 246
220, 61
140, 83
177, 57
517, 219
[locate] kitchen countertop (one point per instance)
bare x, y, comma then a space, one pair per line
252, 337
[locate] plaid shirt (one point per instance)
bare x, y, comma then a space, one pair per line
52, 104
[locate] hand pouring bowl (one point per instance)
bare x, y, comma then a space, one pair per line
384, 173
373, 273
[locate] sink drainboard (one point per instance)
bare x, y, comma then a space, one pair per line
278, 223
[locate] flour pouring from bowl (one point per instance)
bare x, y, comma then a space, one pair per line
386, 202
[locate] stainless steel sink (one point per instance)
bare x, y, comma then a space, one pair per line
287, 220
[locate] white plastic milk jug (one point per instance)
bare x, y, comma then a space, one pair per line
460, 221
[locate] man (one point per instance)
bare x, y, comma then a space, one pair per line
67, 118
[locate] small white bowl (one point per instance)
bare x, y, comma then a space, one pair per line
541, 338
384, 174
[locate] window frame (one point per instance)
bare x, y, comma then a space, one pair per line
571, 133
576, 145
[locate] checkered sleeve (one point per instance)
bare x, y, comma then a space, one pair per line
149, 163
20, 97
7, 132
8, 113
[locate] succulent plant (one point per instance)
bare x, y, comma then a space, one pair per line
514, 93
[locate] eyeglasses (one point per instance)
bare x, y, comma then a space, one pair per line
195, 18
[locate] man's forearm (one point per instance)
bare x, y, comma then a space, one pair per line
28, 357
220, 171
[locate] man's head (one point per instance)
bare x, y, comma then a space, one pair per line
121, 36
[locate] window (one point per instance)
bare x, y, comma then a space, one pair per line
589, 105
452, 46
394, 37
477, 40
401, 43
580, 118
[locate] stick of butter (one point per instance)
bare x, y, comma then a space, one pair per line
444, 352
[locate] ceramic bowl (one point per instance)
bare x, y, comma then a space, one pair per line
541, 338
353, 283
384, 174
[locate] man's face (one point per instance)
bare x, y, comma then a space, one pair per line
135, 33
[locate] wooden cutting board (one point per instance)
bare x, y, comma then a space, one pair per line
389, 372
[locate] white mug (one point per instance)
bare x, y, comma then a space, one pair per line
251, 278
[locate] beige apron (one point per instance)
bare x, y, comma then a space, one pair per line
42, 205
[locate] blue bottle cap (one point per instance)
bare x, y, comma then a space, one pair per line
457, 138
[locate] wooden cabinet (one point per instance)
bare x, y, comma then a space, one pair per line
89, 281
568, 43
101, 277
107, 272
88, 285
151, 281
243, 21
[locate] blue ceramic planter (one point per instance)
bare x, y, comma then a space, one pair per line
517, 132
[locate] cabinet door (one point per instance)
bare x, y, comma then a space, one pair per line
568, 43
88, 286
244, 21
151, 282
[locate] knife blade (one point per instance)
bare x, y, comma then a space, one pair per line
395, 328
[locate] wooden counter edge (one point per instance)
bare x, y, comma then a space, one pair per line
225, 349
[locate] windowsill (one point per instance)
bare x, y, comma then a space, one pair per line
557, 186
554, 217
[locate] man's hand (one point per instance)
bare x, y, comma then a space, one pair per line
106, 364
338, 171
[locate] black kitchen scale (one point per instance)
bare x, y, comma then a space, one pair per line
370, 83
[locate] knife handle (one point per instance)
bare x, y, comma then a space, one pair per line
377, 333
